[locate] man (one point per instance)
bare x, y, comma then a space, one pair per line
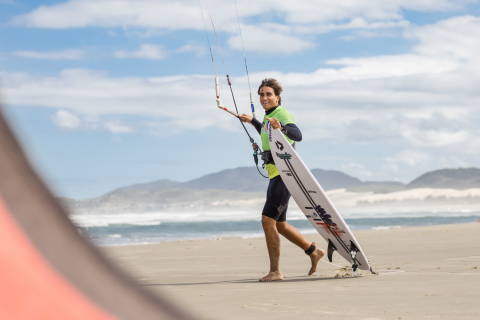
274, 214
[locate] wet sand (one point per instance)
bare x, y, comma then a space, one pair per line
218, 279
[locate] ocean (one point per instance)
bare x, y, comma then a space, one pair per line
147, 228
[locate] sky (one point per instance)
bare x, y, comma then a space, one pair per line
108, 93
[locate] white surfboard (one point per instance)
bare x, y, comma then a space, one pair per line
314, 202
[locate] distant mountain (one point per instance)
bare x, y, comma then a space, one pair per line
243, 188
154, 185
247, 179
128, 201
331, 179
461, 178
242, 179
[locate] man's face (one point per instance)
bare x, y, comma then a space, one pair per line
268, 99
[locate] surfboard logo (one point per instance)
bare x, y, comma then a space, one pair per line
269, 128
328, 224
279, 145
284, 156
324, 215
331, 229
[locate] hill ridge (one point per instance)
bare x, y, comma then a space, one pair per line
247, 179
459, 178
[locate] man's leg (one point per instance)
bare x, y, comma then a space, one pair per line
294, 236
273, 246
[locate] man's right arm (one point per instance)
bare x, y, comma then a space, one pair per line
257, 124
254, 122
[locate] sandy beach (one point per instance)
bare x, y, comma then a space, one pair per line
436, 276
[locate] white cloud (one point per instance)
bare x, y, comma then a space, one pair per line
368, 34
390, 66
269, 38
174, 100
453, 38
422, 104
410, 157
146, 51
440, 5
287, 24
68, 54
117, 127
114, 13
427, 99
185, 14
354, 23
198, 50
66, 120
410, 163
423, 131
69, 121
431, 138
157, 52
356, 169
311, 12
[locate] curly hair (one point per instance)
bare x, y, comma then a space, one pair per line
275, 85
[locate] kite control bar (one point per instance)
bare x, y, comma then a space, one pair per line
231, 112
219, 101
256, 148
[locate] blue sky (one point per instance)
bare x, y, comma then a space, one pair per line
110, 93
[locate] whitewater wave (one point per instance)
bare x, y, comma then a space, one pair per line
386, 227
157, 218
406, 212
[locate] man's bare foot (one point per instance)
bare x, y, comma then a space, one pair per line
315, 257
272, 276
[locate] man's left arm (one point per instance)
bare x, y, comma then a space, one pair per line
292, 132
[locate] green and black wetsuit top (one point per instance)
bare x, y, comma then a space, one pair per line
289, 129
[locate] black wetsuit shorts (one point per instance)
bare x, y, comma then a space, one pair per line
277, 200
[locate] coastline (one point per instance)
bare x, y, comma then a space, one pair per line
218, 278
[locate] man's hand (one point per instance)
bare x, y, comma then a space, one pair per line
246, 118
274, 123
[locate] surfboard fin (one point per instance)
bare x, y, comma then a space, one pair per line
331, 248
353, 254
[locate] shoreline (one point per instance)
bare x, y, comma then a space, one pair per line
247, 229
218, 279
